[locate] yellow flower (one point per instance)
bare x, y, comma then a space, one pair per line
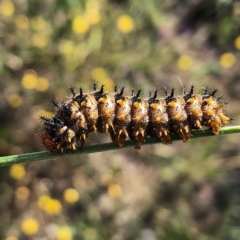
11, 238
67, 47
22, 193
29, 80
17, 171
50, 206
71, 195
64, 233
227, 60
53, 207
22, 22
185, 62
99, 74
237, 43
42, 201
114, 191
14, 100
38, 23
80, 25
42, 84
30, 226
7, 8
90, 233
93, 16
39, 40
125, 23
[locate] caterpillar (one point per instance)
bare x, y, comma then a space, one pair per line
131, 117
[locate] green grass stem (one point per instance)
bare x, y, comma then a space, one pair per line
30, 157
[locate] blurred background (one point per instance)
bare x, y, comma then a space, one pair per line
182, 191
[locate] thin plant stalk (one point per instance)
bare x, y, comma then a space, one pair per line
36, 156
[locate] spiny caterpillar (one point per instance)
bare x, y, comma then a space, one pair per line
130, 117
